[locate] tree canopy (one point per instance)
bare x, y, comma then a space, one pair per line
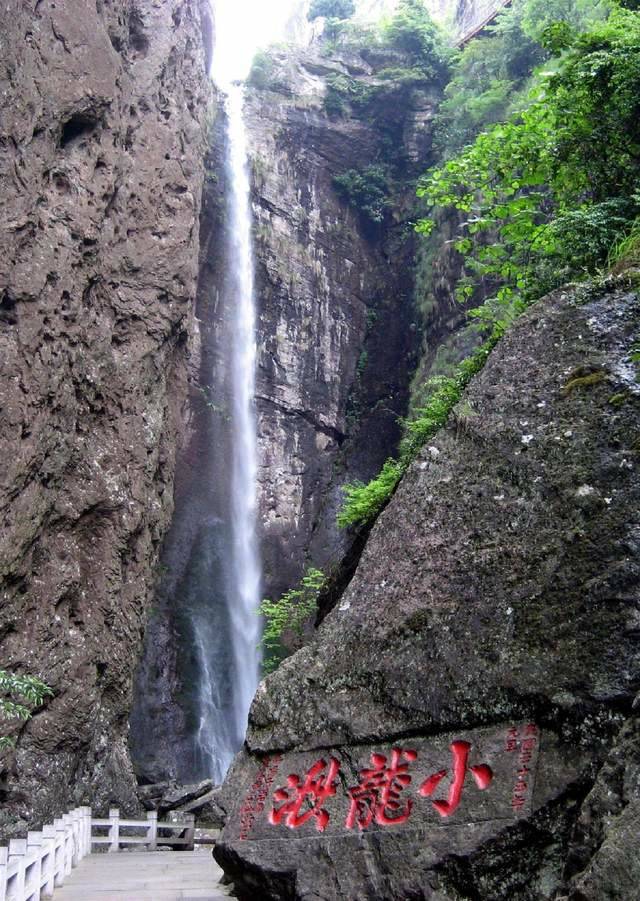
331, 9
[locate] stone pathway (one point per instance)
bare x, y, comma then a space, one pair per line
145, 876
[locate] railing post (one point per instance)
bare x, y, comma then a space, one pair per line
190, 832
17, 850
34, 845
69, 849
49, 867
4, 860
77, 831
87, 814
72, 823
68, 844
60, 852
114, 829
152, 830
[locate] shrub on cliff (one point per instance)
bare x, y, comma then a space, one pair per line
412, 31
286, 618
548, 192
492, 74
262, 69
331, 9
19, 695
366, 190
363, 502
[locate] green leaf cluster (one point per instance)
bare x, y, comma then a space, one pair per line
286, 618
366, 190
546, 193
262, 71
412, 31
346, 94
331, 9
626, 252
492, 75
18, 696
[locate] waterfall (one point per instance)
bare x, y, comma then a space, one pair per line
223, 715
246, 562
243, 597
200, 666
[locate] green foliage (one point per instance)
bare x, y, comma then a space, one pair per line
286, 618
366, 190
546, 193
626, 251
346, 94
492, 74
262, 71
18, 696
540, 18
333, 9
412, 31
362, 503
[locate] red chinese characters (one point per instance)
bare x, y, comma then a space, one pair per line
524, 774
385, 796
254, 802
377, 797
481, 773
304, 800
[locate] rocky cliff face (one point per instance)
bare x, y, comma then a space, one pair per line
101, 167
337, 337
464, 723
470, 16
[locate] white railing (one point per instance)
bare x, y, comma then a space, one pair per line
31, 868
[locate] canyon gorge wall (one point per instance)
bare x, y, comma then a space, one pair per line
337, 343
101, 168
337, 324
340, 316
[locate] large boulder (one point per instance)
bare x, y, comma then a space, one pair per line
462, 725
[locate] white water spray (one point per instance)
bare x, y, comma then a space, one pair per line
246, 564
240, 25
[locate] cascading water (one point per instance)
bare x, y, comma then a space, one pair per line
243, 600
223, 724
201, 664
245, 467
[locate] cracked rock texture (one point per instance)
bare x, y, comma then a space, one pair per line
337, 333
498, 591
101, 167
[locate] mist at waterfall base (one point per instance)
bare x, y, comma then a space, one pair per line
200, 667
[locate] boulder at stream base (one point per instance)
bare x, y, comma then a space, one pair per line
463, 725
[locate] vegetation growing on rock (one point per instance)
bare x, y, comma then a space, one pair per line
285, 619
548, 194
19, 695
334, 9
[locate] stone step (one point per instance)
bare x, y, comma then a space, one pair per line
145, 876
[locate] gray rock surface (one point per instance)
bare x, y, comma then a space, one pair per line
101, 166
468, 17
336, 337
496, 604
